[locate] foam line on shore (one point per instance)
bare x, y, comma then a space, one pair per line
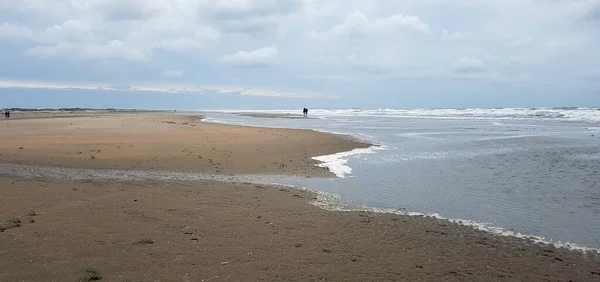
336, 163
333, 202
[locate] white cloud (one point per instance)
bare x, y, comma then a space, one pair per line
197, 40
142, 26
357, 24
456, 35
262, 57
111, 50
71, 30
268, 92
403, 23
181, 89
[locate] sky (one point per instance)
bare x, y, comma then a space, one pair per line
280, 54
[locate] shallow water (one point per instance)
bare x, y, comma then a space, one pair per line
64, 173
538, 177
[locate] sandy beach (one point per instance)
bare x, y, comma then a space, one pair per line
166, 144
58, 230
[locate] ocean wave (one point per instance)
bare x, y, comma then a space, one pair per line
567, 114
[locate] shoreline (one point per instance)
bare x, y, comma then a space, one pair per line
218, 231
482, 226
215, 230
324, 200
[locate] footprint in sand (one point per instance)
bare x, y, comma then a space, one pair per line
188, 230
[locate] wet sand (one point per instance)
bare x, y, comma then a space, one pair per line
217, 231
55, 230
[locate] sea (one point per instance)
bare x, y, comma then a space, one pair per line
526, 172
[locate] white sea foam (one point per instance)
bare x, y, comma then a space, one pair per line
336, 163
589, 115
512, 137
593, 129
334, 202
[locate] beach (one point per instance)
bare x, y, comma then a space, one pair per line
55, 230
163, 143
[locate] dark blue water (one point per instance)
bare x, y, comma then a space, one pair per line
538, 177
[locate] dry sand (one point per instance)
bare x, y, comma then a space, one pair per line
55, 230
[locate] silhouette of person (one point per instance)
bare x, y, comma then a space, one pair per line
7, 114
305, 112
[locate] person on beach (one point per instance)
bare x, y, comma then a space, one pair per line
7, 114
305, 112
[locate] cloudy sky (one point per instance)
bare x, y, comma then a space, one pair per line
200, 54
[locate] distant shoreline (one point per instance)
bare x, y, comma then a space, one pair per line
267, 115
73, 113
78, 110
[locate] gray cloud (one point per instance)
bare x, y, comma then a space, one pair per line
125, 10
593, 14
172, 73
469, 65
248, 17
245, 9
